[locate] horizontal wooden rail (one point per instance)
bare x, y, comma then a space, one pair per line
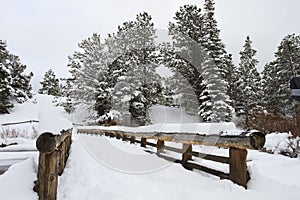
16, 123
54, 152
255, 140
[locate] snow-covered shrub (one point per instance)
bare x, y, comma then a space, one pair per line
282, 143
110, 118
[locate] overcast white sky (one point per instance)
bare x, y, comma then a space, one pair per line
44, 32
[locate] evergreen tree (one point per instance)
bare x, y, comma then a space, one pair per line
279, 72
14, 84
249, 89
21, 89
4, 80
135, 66
212, 41
89, 70
192, 57
270, 86
231, 78
50, 84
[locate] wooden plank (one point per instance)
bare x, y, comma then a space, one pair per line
215, 158
61, 158
151, 144
168, 158
173, 149
238, 167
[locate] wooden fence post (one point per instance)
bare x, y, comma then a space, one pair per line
186, 148
238, 166
160, 146
47, 176
143, 142
132, 140
54, 152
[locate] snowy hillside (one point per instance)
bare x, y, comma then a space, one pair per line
105, 168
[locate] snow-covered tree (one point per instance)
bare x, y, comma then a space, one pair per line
14, 84
50, 84
278, 73
192, 57
231, 79
270, 87
135, 66
21, 89
4, 80
212, 41
215, 107
248, 84
88, 67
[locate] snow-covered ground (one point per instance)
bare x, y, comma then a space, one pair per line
105, 168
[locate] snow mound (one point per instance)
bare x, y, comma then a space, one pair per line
17, 182
50, 118
281, 143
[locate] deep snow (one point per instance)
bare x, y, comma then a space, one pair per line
105, 168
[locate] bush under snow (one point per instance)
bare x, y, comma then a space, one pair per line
282, 143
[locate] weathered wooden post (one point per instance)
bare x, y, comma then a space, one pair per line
238, 166
186, 149
143, 142
124, 137
54, 151
160, 146
118, 135
132, 140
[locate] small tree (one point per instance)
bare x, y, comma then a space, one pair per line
50, 84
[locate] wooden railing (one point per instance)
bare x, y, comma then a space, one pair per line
54, 152
237, 145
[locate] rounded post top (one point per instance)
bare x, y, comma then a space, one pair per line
46, 143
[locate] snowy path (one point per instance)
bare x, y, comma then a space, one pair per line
85, 177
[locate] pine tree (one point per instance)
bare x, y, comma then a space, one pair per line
231, 78
137, 56
20, 83
5, 90
212, 42
270, 87
50, 84
249, 88
278, 73
14, 84
89, 68
192, 57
